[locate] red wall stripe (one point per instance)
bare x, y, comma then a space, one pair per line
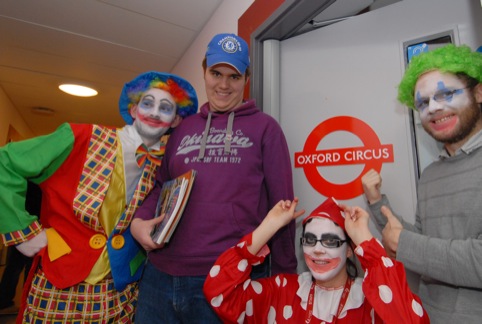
252, 18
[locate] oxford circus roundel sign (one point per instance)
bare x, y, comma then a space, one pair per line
372, 154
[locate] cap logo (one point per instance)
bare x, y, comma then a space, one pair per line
230, 44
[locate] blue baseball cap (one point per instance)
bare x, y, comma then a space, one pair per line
182, 91
229, 49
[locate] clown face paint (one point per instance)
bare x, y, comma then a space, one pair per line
327, 265
453, 116
154, 114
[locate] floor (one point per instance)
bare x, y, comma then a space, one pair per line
9, 319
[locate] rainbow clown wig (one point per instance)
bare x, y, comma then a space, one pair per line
446, 59
182, 91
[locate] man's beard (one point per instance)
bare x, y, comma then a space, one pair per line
467, 122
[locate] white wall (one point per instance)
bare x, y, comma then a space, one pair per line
224, 20
353, 68
11, 117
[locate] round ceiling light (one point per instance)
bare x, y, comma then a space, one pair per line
78, 90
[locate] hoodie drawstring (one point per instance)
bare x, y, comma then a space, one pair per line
205, 137
229, 134
227, 140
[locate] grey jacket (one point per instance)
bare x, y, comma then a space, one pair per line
444, 245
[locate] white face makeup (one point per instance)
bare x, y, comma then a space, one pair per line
447, 109
327, 265
154, 114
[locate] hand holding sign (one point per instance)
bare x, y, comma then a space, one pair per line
372, 182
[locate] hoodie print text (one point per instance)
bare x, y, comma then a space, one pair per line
215, 143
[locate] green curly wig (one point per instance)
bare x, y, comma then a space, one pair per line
450, 58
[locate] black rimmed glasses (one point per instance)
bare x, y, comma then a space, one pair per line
327, 240
439, 96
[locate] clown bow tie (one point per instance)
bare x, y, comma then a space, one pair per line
143, 153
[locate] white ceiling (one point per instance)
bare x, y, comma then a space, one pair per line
99, 43
102, 44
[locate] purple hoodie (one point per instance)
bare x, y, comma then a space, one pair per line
235, 187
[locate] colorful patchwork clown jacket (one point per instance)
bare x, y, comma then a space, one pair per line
87, 224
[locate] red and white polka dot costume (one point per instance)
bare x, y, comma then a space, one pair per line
381, 296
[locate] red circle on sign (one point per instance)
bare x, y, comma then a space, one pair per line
340, 123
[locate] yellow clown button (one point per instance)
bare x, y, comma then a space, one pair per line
97, 241
118, 242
